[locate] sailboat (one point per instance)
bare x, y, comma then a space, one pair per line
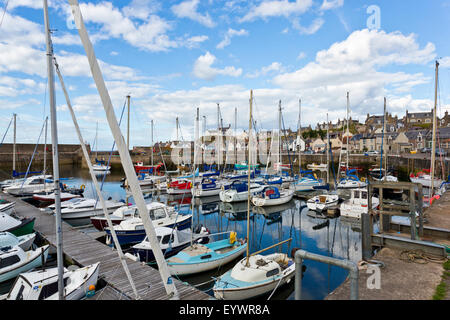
322, 202
99, 165
428, 179
200, 257
256, 274
59, 285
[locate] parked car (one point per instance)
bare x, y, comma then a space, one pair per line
441, 152
425, 150
371, 153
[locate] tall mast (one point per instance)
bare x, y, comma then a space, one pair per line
128, 122
125, 157
219, 134
433, 147
152, 144
14, 145
196, 134
383, 142
54, 128
248, 180
45, 153
299, 137
328, 151
178, 143
279, 137
96, 140
235, 135
348, 106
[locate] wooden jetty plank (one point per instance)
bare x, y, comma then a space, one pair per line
80, 247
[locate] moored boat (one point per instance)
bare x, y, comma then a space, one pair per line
43, 285
204, 257
14, 260
272, 196
358, 204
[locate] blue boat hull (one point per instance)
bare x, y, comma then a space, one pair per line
136, 236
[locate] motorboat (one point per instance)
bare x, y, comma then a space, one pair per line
210, 187
171, 241
238, 191
7, 207
357, 204
14, 261
322, 202
179, 186
132, 230
25, 242
16, 226
31, 185
272, 196
43, 284
82, 208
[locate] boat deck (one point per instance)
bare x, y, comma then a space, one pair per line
84, 250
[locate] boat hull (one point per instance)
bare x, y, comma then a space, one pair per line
205, 265
34, 262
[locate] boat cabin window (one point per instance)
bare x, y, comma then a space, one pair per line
356, 194
157, 214
37, 181
166, 239
50, 289
364, 195
20, 293
272, 272
9, 261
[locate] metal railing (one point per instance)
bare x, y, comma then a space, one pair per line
301, 255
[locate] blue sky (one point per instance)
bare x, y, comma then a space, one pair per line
174, 56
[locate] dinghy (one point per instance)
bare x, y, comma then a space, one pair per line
357, 204
272, 196
14, 260
204, 257
43, 285
171, 242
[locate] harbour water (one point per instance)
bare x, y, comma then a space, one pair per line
331, 237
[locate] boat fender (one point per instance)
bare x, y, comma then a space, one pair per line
233, 237
91, 291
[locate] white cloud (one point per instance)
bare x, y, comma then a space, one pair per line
141, 9
228, 35
193, 42
301, 56
188, 9
203, 68
332, 4
274, 67
279, 8
313, 28
445, 62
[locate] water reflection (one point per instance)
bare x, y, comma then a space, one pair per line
338, 237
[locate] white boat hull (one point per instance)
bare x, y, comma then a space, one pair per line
285, 197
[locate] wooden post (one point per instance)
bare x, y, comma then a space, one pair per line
366, 228
412, 212
420, 209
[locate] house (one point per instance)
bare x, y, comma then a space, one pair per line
417, 139
418, 118
318, 145
401, 144
336, 143
445, 120
368, 143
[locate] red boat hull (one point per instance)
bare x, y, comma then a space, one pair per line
100, 223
